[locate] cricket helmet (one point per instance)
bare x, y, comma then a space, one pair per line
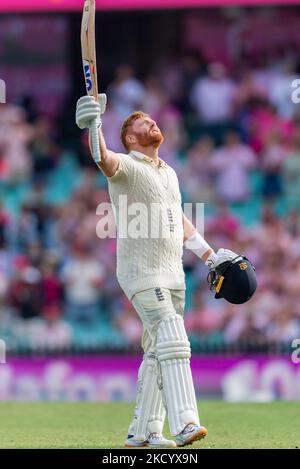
234, 280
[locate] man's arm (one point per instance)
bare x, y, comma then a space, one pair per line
109, 159
219, 264
88, 109
192, 237
196, 243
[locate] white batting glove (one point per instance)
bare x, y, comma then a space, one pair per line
216, 259
88, 109
102, 100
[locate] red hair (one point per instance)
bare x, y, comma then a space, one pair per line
128, 123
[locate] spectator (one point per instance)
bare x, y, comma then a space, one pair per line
50, 332
4, 224
272, 159
224, 225
291, 173
196, 178
126, 92
82, 277
43, 149
15, 135
52, 289
212, 96
202, 319
280, 90
25, 292
25, 228
284, 328
192, 66
232, 164
251, 335
247, 91
263, 123
128, 323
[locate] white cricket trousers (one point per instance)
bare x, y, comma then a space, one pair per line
164, 380
152, 306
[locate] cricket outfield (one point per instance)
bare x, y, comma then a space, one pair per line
104, 425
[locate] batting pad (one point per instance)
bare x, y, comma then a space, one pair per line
149, 413
173, 353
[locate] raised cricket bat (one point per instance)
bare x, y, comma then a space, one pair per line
88, 50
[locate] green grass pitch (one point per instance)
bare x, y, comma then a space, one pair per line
104, 425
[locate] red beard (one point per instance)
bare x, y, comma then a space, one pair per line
149, 139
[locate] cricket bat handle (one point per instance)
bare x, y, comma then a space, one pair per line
95, 141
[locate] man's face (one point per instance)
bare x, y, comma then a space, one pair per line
145, 130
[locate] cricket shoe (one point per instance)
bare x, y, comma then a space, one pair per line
189, 434
154, 440
130, 442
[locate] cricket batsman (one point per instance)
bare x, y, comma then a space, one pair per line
150, 272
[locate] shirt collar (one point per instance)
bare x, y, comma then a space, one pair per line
146, 158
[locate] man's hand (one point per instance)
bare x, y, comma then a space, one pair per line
216, 259
88, 109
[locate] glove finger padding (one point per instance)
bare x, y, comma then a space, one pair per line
89, 107
85, 100
87, 110
87, 115
225, 255
102, 100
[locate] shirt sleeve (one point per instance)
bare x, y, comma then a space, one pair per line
125, 171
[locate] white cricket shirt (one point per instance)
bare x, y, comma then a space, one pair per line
147, 204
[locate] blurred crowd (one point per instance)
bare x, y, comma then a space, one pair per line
232, 135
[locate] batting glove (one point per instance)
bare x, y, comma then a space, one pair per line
88, 109
216, 259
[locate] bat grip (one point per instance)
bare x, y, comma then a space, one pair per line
95, 141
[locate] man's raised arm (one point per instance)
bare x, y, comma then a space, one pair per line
87, 110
